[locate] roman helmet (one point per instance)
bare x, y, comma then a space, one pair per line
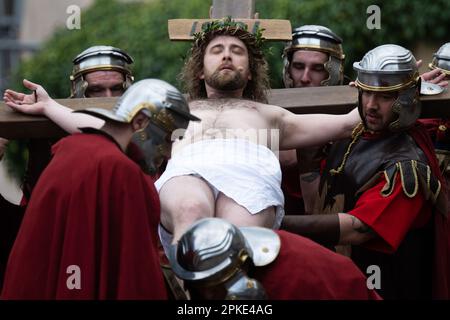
99, 58
166, 108
316, 38
391, 68
441, 59
214, 253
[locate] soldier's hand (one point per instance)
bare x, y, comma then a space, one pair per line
419, 63
3, 143
34, 103
435, 76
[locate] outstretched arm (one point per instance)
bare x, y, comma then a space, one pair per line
40, 103
299, 131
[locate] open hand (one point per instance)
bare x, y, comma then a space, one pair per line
34, 103
435, 76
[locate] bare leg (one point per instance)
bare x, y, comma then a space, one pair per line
184, 200
229, 210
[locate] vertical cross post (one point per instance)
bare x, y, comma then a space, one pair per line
243, 9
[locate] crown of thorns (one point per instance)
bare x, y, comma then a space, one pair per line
232, 27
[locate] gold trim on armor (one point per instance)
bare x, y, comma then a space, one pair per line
428, 177
335, 53
390, 185
145, 105
385, 89
356, 133
162, 118
416, 181
107, 67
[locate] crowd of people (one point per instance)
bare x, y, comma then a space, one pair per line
163, 194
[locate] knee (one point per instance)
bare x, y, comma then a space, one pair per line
193, 209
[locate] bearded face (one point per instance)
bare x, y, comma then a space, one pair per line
226, 64
226, 80
377, 109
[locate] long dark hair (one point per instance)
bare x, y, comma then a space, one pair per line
256, 88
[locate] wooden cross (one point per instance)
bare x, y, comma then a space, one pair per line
239, 10
337, 99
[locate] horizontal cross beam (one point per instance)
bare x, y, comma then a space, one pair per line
274, 29
335, 100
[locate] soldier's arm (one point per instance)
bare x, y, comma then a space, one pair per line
329, 229
42, 104
353, 230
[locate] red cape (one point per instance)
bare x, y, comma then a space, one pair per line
92, 208
305, 270
441, 263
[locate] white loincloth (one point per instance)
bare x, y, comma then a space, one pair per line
246, 172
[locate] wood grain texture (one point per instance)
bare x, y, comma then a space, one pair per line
275, 30
334, 100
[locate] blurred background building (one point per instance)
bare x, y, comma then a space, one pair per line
25, 25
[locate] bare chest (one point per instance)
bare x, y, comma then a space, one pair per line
240, 114
235, 119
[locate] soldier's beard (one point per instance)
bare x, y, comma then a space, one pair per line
226, 81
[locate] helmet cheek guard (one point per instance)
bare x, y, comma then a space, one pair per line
99, 58
166, 108
441, 59
316, 38
392, 68
78, 87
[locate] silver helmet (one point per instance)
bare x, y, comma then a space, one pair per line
316, 38
441, 59
391, 68
99, 58
214, 253
167, 109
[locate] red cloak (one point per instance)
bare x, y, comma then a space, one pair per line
441, 262
90, 228
305, 270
